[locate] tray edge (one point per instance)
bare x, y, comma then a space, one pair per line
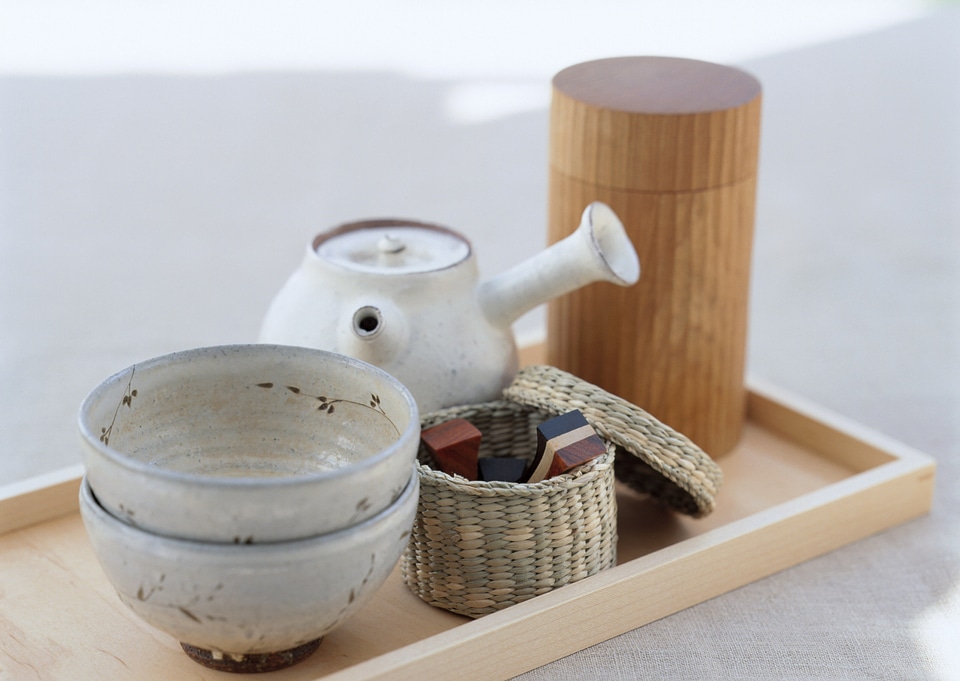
524, 627
41, 498
602, 604
887, 469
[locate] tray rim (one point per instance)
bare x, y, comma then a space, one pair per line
884, 468
864, 494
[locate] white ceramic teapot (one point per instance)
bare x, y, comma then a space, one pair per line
406, 297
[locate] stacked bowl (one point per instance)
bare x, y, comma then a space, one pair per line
248, 499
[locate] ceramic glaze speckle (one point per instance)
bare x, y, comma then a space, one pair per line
245, 599
405, 296
260, 442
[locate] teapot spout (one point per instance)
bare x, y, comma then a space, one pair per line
599, 250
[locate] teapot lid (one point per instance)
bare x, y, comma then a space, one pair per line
392, 247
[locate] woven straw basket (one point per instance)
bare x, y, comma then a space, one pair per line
478, 547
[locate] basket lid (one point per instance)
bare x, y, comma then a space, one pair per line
652, 457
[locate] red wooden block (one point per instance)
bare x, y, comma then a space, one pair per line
455, 446
563, 443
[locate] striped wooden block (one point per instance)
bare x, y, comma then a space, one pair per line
563, 443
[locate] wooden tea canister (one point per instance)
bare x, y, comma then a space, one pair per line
671, 145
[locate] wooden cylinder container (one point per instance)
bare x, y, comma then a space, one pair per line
671, 145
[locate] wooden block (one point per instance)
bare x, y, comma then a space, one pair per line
501, 469
563, 443
455, 446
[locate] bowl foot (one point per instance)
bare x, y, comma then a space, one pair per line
252, 663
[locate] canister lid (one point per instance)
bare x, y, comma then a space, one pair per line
392, 247
655, 123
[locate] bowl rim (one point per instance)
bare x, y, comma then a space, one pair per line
122, 460
88, 500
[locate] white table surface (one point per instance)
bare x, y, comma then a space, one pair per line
141, 214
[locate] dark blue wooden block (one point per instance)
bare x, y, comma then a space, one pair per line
501, 469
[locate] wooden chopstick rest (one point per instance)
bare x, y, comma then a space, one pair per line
563, 443
455, 446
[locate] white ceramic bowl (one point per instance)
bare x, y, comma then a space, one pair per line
248, 443
242, 600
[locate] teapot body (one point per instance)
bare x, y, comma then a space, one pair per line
419, 320
406, 297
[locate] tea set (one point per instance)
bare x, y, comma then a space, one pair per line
248, 499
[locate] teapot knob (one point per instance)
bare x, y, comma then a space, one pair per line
390, 244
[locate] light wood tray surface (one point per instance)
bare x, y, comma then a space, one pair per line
801, 482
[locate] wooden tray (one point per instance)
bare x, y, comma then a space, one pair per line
801, 483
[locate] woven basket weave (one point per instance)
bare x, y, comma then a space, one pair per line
478, 547
653, 458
